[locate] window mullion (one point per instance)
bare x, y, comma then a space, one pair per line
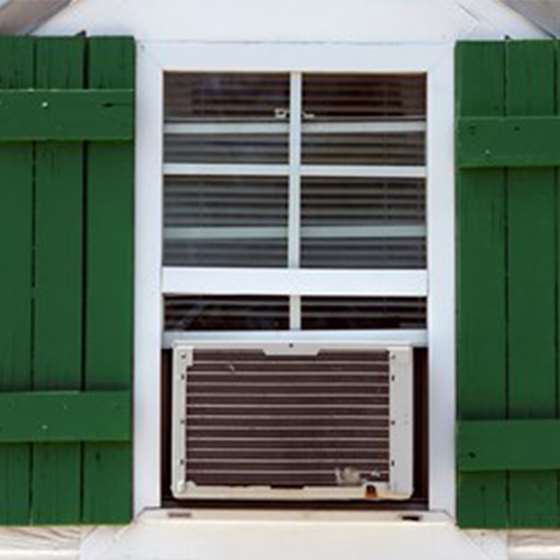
295, 313
294, 194
294, 204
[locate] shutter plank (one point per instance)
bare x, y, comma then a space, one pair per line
16, 203
58, 285
71, 116
481, 294
531, 241
107, 490
515, 445
508, 141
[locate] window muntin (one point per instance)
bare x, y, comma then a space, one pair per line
342, 131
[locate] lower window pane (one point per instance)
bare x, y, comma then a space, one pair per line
226, 313
341, 313
254, 313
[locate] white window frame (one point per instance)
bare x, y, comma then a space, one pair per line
152, 280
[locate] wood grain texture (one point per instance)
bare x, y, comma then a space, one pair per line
514, 445
63, 416
519, 452
16, 228
531, 245
481, 289
508, 141
107, 490
74, 115
43, 223
59, 191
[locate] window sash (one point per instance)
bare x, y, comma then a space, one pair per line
294, 123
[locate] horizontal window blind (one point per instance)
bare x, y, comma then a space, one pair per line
362, 148
200, 97
225, 221
364, 96
226, 148
371, 222
363, 223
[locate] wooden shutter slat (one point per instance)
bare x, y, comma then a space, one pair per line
514, 445
47, 114
16, 200
531, 249
481, 291
59, 191
107, 487
62, 416
508, 141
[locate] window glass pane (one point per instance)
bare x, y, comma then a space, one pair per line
214, 97
226, 118
362, 97
363, 223
225, 221
363, 120
363, 149
226, 313
226, 148
342, 313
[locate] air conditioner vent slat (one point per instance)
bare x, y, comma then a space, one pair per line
282, 441
271, 421
286, 453
262, 478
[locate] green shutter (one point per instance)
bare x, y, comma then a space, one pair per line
66, 288
507, 154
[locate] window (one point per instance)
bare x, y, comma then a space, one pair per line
379, 296
292, 171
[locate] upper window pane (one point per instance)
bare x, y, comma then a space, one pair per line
219, 97
362, 148
359, 97
225, 221
226, 118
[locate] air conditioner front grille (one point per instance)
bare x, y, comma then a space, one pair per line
251, 421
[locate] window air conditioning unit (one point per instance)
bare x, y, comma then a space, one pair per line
292, 421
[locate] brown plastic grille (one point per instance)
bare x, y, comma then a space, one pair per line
287, 420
